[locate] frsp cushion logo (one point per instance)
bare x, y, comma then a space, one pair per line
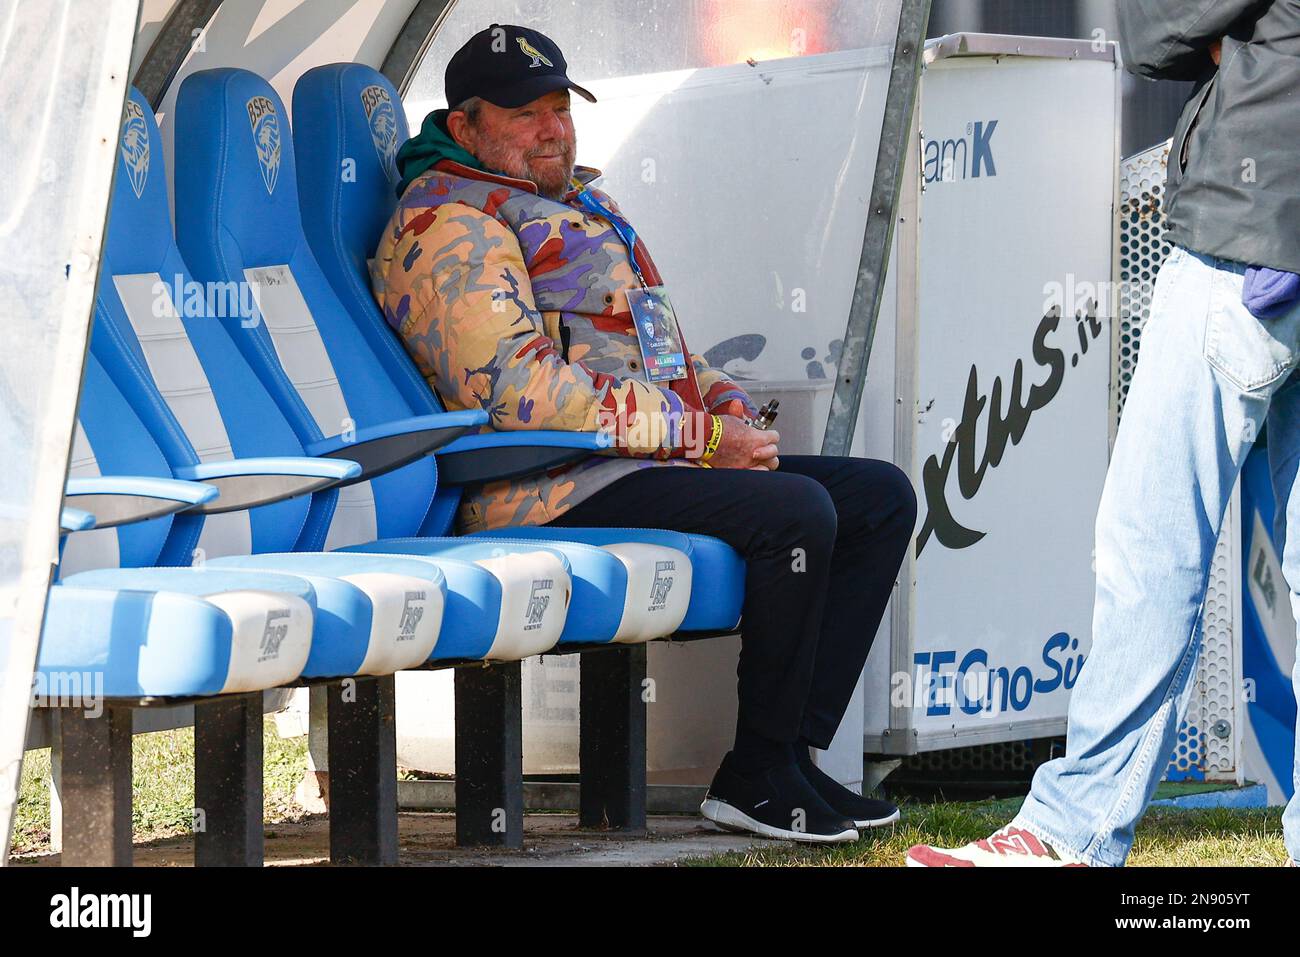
135, 146
412, 612
273, 636
662, 584
266, 137
538, 599
382, 117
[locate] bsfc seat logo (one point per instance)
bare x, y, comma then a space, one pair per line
412, 612
274, 634
662, 584
135, 146
266, 137
538, 599
538, 56
382, 117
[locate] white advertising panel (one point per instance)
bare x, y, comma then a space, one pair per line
1012, 339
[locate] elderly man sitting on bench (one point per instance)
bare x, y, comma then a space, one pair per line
520, 289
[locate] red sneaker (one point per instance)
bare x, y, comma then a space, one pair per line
1009, 847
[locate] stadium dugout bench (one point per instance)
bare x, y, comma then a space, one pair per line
274, 498
124, 635
219, 386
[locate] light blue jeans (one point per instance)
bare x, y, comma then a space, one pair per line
1209, 376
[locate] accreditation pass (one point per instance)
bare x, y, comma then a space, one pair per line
657, 332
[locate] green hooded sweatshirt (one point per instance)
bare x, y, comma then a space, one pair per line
431, 144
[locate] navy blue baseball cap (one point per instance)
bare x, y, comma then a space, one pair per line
508, 66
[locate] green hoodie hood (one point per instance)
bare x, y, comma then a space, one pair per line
432, 144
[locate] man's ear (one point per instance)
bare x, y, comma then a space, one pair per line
458, 126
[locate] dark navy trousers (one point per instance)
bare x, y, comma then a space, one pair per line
822, 537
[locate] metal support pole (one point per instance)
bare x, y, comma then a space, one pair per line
612, 739
407, 52
869, 286
363, 771
228, 829
96, 795
490, 756
170, 48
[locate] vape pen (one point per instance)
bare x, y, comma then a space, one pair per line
766, 415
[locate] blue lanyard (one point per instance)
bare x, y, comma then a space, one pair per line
621, 226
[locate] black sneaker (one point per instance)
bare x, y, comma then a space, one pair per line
865, 812
776, 803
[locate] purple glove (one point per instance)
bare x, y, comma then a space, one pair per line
1268, 293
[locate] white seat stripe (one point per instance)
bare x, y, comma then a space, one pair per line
354, 519
179, 376
306, 361
299, 346
173, 363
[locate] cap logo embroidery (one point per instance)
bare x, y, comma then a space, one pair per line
538, 56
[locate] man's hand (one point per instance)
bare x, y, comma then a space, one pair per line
744, 447
1216, 50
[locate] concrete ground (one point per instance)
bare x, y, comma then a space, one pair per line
429, 839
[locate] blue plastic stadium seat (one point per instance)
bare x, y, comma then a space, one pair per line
177, 632
311, 355
716, 586
351, 631
153, 632
351, 112
161, 341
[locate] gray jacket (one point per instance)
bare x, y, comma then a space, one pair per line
1233, 187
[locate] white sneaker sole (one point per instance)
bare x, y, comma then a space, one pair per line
880, 822
733, 819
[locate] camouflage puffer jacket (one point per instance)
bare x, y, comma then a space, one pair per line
516, 304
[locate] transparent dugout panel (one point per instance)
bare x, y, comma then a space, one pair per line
63, 80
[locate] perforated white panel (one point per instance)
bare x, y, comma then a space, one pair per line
1218, 672
1206, 746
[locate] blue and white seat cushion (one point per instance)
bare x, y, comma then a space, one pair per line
178, 632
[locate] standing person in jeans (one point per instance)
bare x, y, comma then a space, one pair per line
511, 280
1219, 359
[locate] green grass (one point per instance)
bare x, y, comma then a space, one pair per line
1167, 837
163, 786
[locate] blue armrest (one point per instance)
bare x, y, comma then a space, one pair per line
390, 445
248, 483
123, 499
489, 456
75, 520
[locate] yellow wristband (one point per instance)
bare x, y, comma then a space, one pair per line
715, 439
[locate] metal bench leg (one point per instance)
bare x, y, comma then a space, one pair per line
228, 829
612, 739
95, 756
489, 756
363, 771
